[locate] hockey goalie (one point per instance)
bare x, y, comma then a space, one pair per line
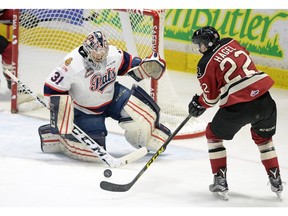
83, 91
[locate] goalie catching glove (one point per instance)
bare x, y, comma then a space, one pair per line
152, 66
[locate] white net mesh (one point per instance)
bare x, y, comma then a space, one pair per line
46, 36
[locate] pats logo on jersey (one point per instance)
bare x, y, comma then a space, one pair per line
99, 83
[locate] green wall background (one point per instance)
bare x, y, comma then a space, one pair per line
262, 32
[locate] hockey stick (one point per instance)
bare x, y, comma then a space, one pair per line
125, 187
82, 137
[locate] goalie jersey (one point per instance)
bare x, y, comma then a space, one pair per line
90, 85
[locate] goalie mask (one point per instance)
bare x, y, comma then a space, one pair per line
96, 46
206, 36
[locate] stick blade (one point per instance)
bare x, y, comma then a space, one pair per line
130, 158
108, 186
135, 155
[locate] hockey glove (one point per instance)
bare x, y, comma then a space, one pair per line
195, 108
153, 66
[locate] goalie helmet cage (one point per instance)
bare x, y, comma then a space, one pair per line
43, 37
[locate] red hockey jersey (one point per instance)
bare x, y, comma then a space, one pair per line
228, 75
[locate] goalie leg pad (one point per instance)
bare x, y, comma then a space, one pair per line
61, 114
143, 128
66, 144
138, 138
76, 150
140, 102
158, 137
49, 142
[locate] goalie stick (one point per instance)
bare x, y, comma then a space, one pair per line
82, 137
109, 186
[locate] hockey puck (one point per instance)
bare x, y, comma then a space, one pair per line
107, 173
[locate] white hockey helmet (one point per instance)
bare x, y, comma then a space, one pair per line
96, 46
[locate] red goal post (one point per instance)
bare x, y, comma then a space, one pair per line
155, 39
42, 37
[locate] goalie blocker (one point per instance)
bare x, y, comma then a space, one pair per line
140, 122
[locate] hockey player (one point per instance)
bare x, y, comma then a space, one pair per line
6, 17
83, 89
228, 76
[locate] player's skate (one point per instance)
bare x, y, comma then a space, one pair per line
220, 186
275, 182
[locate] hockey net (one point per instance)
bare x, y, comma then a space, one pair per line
42, 37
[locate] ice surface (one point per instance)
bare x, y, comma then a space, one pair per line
176, 183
